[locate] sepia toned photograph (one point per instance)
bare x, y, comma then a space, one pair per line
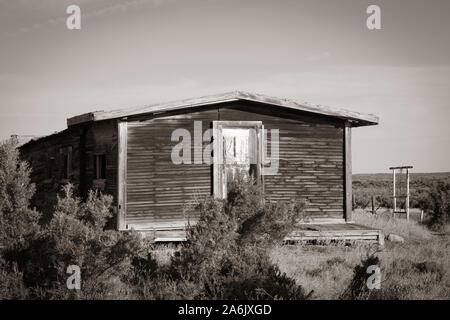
224, 155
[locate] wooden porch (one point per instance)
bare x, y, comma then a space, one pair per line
330, 232
305, 233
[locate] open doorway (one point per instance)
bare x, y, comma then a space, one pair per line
239, 152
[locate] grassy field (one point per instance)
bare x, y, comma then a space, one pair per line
379, 185
414, 177
419, 268
415, 269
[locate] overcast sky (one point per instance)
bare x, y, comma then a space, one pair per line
131, 53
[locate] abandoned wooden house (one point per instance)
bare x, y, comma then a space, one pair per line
294, 150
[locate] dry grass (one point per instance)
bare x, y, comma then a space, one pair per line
163, 253
383, 220
416, 269
325, 269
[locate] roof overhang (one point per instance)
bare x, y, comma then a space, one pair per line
355, 118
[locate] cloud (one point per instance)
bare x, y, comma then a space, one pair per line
320, 56
122, 6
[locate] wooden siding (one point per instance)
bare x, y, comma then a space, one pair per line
101, 138
157, 189
311, 161
311, 164
47, 162
47, 167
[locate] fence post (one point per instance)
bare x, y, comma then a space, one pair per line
373, 204
394, 198
421, 216
407, 194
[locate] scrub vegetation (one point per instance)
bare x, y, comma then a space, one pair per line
234, 250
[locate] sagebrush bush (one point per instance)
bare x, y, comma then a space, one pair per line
226, 254
437, 204
363, 197
225, 257
74, 236
17, 221
11, 282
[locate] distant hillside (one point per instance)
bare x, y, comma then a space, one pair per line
380, 185
363, 177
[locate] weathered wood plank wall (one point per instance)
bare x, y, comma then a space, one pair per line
47, 162
158, 189
311, 163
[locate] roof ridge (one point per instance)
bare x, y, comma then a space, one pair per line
362, 119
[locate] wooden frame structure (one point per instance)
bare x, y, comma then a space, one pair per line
394, 193
313, 159
348, 171
122, 128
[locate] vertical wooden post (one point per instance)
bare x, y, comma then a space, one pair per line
402, 192
421, 216
216, 166
260, 152
407, 194
394, 199
373, 204
122, 136
348, 171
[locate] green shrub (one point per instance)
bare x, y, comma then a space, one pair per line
226, 256
76, 236
363, 193
430, 267
437, 204
11, 282
18, 223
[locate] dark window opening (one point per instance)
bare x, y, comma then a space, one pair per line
66, 167
50, 167
67, 162
100, 166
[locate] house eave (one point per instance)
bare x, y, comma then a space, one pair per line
355, 118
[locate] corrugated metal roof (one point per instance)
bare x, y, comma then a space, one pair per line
357, 119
